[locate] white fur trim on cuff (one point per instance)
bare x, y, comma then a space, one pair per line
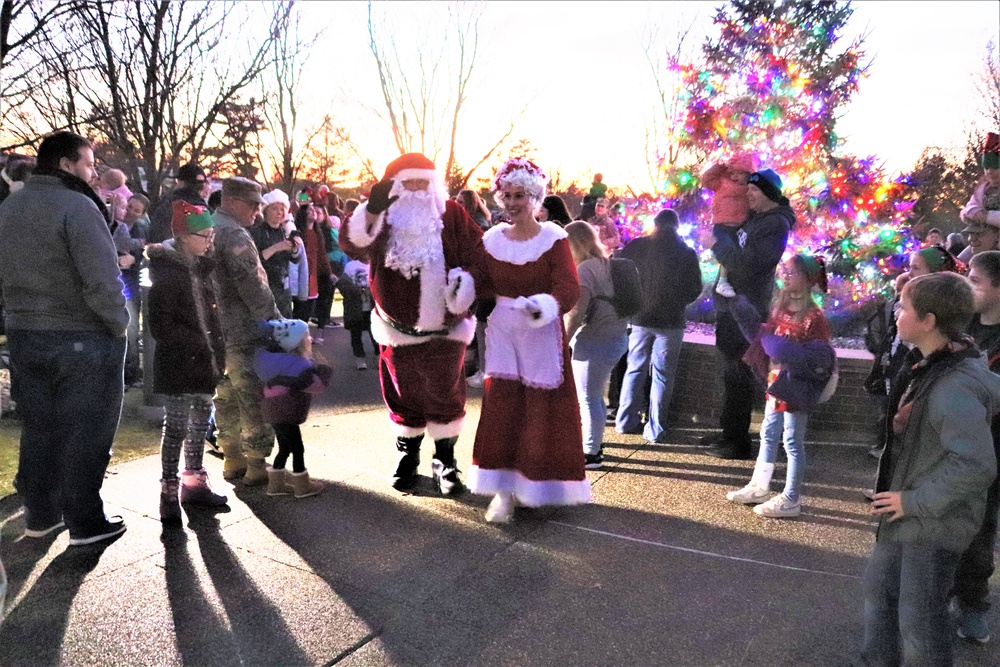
403, 431
459, 299
357, 227
547, 308
450, 430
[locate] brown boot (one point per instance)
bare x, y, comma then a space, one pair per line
195, 489
234, 465
303, 486
170, 506
277, 482
256, 472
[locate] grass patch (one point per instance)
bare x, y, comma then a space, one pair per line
136, 437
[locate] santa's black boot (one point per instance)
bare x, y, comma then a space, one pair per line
405, 477
445, 469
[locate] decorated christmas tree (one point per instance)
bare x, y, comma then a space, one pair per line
773, 83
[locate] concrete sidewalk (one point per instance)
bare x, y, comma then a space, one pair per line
658, 570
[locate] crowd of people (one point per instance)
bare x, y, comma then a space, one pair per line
537, 299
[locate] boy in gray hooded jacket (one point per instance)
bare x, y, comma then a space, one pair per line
930, 493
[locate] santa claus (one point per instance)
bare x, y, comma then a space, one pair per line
426, 258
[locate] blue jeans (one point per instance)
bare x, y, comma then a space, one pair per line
793, 426
133, 368
662, 347
592, 364
906, 605
68, 386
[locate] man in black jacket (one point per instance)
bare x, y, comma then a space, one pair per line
750, 255
671, 279
192, 187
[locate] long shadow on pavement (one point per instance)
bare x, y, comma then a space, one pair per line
32, 634
440, 587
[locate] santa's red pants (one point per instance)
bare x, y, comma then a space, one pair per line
424, 383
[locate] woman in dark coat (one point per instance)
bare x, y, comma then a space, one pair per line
189, 358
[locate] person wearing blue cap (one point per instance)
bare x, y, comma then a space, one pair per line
750, 255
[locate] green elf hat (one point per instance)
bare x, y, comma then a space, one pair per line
815, 268
938, 259
991, 151
189, 219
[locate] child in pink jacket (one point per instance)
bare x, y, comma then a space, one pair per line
730, 206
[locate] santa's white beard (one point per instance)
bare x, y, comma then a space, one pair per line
415, 232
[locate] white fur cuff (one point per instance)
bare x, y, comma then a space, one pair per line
403, 431
460, 292
450, 430
542, 309
357, 227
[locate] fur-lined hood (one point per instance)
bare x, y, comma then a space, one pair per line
168, 252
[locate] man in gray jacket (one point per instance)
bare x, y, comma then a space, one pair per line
66, 321
245, 301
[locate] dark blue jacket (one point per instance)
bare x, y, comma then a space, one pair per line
670, 275
751, 253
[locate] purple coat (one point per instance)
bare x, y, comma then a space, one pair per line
289, 383
805, 370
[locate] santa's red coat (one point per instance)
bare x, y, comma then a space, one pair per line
422, 380
399, 297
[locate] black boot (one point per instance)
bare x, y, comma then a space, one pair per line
444, 468
737, 450
405, 477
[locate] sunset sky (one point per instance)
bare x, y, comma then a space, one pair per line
576, 80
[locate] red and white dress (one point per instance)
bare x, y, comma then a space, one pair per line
529, 441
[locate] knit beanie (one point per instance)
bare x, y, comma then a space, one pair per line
189, 219
275, 197
815, 268
991, 151
938, 259
743, 161
769, 183
288, 333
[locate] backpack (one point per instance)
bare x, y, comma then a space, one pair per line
627, 286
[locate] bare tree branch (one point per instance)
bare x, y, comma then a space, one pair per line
146, 78
425, 94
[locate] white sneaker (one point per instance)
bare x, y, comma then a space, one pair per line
726, 290
476, 380
501, 508
749, 495
779, 507
360, 364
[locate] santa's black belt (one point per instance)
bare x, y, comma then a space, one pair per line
410, 331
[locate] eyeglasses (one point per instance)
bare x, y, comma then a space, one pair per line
208, 236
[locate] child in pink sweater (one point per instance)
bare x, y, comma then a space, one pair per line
730, 206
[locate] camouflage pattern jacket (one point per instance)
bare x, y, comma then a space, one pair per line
244, 296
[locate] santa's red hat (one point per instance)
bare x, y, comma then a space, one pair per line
319, 195
411, 166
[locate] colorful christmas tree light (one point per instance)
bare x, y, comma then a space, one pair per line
773, 83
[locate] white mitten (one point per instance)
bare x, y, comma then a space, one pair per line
460, 291
539, 309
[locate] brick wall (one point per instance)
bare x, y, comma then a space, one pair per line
698, 393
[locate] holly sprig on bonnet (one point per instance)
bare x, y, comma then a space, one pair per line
515, 164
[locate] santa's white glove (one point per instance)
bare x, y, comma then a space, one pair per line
460, 291
539, 309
